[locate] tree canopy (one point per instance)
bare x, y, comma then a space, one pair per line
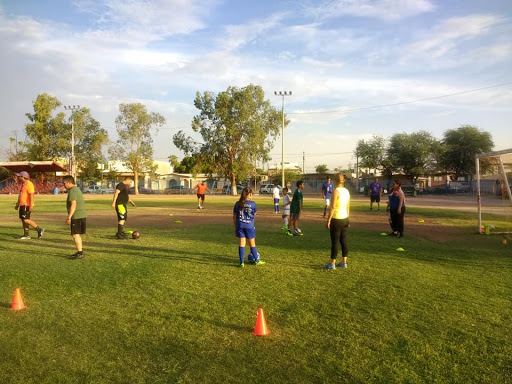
237, 126
135, 145
321, 168
461, 145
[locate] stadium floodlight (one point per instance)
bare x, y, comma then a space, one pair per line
73, 109
282, 94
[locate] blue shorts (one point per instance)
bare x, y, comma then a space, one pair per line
248, 233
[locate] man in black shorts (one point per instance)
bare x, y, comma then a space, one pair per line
121, 198
77, 214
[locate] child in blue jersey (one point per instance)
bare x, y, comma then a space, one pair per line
243, 219
327, 188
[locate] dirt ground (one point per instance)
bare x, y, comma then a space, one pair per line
374, 220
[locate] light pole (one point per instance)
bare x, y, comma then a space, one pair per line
282, 94
73, 109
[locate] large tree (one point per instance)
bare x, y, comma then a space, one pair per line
135, 145
237, 126
49, 136
413, 154
371, 153
461, 145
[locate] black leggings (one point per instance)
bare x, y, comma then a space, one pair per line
339, 230
397, 220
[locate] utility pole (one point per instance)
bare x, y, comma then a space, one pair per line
282, 94
73, 109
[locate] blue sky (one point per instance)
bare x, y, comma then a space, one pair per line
338, 57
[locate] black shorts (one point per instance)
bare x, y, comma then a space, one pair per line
375, 198
78, 226
200, 196
24, 212
122, 212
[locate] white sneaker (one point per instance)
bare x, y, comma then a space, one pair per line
25, 238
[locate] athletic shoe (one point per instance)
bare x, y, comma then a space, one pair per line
242, 265
120, 236
284, 228
399, 235
392, 234
330, 266
25, 237
40, 233
259, 262
297, 233
78, 255
342, 265
289, 233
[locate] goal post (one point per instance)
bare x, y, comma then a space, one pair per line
497, 164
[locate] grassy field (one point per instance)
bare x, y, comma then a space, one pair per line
173, 307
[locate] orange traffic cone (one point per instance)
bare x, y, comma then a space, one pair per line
261, 326
17, 303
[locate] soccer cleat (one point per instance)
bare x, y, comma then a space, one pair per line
242, 265
25, 237
259, 262
78, 255
399, 235
289, 233
120, 236
330, 266
40, 233
284, 228
342, 265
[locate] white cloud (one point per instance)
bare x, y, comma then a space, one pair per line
388, 10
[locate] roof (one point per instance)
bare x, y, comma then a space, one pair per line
33, 166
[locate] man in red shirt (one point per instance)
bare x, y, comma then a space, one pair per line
201, 188
25, 204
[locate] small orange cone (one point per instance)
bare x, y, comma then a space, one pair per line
261, 326
17, 303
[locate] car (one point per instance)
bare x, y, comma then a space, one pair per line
267, 188
97, 189
227, 189
177, 189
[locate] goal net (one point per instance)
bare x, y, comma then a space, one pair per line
494, 198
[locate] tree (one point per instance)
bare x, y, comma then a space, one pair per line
89, 141
371, 153
413, 154
238, 127
135, 145
322, 168
49, 137
461, 145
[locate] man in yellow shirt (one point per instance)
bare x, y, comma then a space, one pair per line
25, 205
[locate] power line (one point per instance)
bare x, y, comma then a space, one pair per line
401, 103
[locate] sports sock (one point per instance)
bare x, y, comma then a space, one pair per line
325, 211
25, 232
120, 229
254, 252
241, 254
285, 221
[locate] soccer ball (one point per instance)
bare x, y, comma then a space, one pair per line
251, 258
135, 235
298, 230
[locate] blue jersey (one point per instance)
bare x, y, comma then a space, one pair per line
327, 189
245, 217
375, 189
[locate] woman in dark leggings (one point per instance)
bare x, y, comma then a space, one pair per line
397, 209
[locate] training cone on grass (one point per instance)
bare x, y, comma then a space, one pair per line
400, 249
261, 327
17, 303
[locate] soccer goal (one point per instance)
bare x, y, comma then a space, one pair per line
493, 185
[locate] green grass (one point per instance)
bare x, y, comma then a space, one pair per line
173, 307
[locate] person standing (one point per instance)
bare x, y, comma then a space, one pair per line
327, 188
121, 198
275, 195
296, 210
201, 188
375, 193
244, 211
286, 208
397, 209
338, 222
25, 204
77, 215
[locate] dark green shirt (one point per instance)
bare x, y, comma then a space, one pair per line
294, 206
74, 194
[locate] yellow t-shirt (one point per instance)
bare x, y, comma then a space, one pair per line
26, 190
341, 203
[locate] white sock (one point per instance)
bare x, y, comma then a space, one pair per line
285, 221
